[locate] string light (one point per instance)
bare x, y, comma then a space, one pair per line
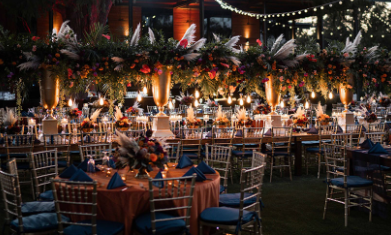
248, 99
229, 100
241, 100
312, 94
196, 103
282, 104
101, 101
70, 102
139, 97
197, 94
330, 95
307, 105
145, 90
170, 106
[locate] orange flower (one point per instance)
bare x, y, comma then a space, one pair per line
210, 58
133, 65
161, 155
334, 67
54, 59
100, 69
329, 66
330, 72
274, 66
136, 61
153, 157
57, 55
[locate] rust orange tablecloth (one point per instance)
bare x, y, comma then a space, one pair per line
125, 205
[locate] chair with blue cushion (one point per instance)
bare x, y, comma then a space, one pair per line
173, 150
16, 212
61, 142
339, 182
81, 205
324, 133
191, 142
375, 137
88, 138
356, 131
44, 168
280, 154
251, 138
376, 127
178, 192
222, 135
247, 217
96, 151
219, 158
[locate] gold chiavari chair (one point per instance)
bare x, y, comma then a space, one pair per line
44, 168
375, 137
376, 127
173, 150
355, 130
219, 158
73, 194
133, 133
223, 135
342, 139
248, 212
191, 142
324, 133
106, 127
93, 137
162, 220
251, 138
339, 182
96, 151
280, 150
61, 142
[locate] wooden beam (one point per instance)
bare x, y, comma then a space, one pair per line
184, 3
202, 15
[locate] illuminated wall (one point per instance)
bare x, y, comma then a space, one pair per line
247, 27
43, 23
119, 20
183, 18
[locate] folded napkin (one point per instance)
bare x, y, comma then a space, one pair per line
209, 135
84, 165
367, 144
88, 139
239, 133
313, 130
200, 176
115, 182
111, 163
268, 133
363, 129
377, 149
159, 184
80, 175
67, 173
205, 168
184, 162
339, 129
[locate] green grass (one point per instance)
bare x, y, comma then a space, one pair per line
297, 207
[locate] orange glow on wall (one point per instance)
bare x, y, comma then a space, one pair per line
119, 20
183, 18
246, 26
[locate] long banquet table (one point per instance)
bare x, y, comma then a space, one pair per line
126, 203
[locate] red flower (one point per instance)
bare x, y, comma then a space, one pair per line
259, 42
69, 72
106, 36
145, 69
35, 38
184, 43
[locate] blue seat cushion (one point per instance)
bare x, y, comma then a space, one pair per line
352, 181
19, 165
38, 222
62, 163
47, 196
143, 224
247, 145
233, 200
241, 153
29, 208
225, 215
74, 152
309, 142
222, 188
313, 150
103, 227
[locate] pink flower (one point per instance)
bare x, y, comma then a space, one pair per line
346, 55
265, 80
259, 42
34, 48
283, 88
305, 74
159, 71
301, 84
106, 36
281, 78
184, 43
225, 65
196, 74
289, 87
374, 80
171, 73
35, 38
376, 62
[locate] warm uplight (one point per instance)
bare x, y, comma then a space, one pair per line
195, 103
282, 104
197, 94
170, 106
241, 102
307, 105
70, 102
229, 100
145, 90
139, 97
248, 99
330, 95
313, 94
101, 101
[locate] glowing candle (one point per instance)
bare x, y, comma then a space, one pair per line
307, 105
139, 97
248, 99
70, 102
101, 101
312, 94
330, 95
145, 90
229, 100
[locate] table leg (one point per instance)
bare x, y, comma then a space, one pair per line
298, 157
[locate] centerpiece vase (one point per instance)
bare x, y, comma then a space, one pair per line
142, 173
346, 94
272, 95
49, 87
161, 92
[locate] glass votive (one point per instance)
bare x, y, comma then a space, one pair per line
123, 177
108, 172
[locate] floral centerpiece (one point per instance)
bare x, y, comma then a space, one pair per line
221, 120
384, 100
191, 119
300, 118
262, 109
134, 110
74, 113
211, 103
185, 99
90, 123
242, 119
370, 117
10, 123
323, 118
121, 122
140, 153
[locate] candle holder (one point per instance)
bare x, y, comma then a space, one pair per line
123, 177
108, 172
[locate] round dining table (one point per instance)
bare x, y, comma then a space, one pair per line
125, 203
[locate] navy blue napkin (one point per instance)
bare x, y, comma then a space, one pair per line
205, 168
84, 165
200, 176
80, 175
268, 133
377, 149
313, 130
67, 173
115, 182
111, 163
363, 129
367, 144
339, 129
159, 184
184, 162
239, 133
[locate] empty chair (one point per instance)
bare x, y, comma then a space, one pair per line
93, 137
44, 167
222, 136
133, 133
176, 191
61, 142
376, 127
356, 131
375, 137
95, 151
173, 150
191, 139
280, 150
80, 204
219, 158
342, 139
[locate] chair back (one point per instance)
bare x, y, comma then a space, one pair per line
356, 131
133, 133
93, 137
258, 159
96, 151
342, 139
281, 140
173, 150
61, 142
175, 192
222, 136
12, 198
375, 137
106, 127
252, 138
219, 158
336, 162
376, 127
81, 197
19, 144
44, 168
